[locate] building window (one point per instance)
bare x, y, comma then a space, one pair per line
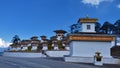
88, 27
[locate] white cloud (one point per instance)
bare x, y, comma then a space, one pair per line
95, 2
118, 5
4, 44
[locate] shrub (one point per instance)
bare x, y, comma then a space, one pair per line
50, 47
29, 48
39, 47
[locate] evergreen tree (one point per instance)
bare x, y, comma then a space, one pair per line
117, 27
107, 28
97, 27
74, 28
16, 39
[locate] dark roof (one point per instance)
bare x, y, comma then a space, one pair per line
25, 42
60, 31
46, 39
43, 36
34, 37
53, 38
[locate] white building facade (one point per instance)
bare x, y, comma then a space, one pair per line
88, 27
84, 45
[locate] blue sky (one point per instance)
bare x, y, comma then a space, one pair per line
27, 18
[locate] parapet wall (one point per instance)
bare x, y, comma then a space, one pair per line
23, 54
58, 53
105, 60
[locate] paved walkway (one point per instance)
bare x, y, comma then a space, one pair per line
9, 62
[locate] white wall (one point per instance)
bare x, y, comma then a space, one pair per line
22, 54
34, 48
91, 60
79, 59
18, 48
45, 48
88, 49
57, 53
12, 49
84, 27
25, 48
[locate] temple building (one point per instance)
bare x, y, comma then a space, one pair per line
25, 44
18, 47
60, 34
43, 37
34, 42
59, 40
54, 41
85, 44
15, 47
87, 24
44, 42
65, 43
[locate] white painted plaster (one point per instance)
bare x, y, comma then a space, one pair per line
57, 53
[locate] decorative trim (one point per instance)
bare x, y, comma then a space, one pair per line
92, 38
